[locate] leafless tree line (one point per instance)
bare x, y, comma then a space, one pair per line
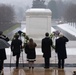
7, 16
70, 15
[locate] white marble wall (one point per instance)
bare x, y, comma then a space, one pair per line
37, 24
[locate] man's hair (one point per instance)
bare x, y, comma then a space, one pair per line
30, 40
16, 36
46, 34
61, 35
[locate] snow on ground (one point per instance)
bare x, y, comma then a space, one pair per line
70, 29
52, 29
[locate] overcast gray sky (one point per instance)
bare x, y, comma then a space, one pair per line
27, 2
15, 1
18, 2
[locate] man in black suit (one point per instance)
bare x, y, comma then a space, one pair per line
60, 48
46, 49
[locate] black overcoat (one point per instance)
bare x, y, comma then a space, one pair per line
16, 45
60, 47
30, 51
46, 47
2, 54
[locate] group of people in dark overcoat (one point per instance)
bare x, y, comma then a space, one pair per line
60, 49
30, 46
29, 49
46, 44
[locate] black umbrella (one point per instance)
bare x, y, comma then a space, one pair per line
4, 44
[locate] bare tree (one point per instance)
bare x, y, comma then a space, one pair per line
6, 15
70, 14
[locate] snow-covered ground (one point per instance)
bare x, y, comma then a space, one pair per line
70, 29
66, 27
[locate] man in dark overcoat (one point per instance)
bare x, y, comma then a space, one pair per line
60, 48
16, 46
46, 49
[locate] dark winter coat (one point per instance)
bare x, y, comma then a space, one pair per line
16, 45
60, 47
30, 50
2, 54
46, 47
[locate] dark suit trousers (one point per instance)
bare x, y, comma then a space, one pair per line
60, 63
47, 62
17, 60
1, 64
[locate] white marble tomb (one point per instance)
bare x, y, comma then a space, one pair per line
38, 22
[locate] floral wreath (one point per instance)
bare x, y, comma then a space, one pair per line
20, 33
54, 34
